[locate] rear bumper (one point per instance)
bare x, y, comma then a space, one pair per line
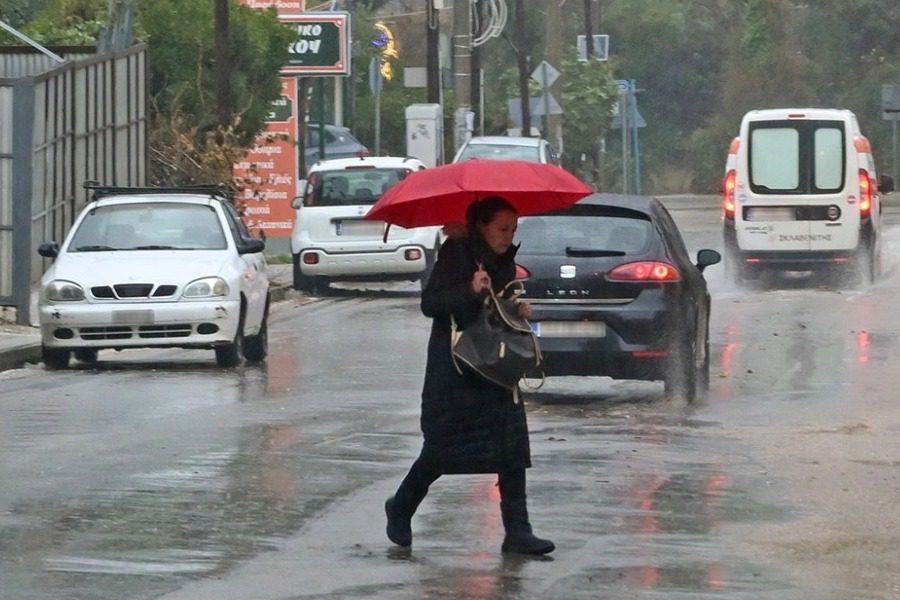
364, 264
791, 260
609, 357
635, 345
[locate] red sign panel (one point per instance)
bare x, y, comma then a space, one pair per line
268, 172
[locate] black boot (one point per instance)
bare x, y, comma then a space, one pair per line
399, 528
401, 507
519, 538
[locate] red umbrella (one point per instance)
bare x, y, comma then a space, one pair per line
440, 195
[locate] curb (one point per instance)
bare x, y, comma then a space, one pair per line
18, 356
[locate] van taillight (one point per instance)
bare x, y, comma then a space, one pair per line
866, 190
644, 271
728, 194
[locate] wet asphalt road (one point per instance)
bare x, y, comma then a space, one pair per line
158, 475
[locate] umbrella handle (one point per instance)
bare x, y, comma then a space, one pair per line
387, 228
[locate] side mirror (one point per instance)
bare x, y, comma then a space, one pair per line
297, 202
49, 249
707, 258
252, 246
885, 184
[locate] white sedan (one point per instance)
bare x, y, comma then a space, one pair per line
155, 267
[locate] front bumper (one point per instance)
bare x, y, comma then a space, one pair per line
185, 324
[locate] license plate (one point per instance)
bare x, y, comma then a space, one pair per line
358, 227
569, 329
770, 213
133, 317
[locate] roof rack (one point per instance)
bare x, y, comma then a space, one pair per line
102, 191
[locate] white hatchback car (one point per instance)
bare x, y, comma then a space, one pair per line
155, 267
332, 239
502, 147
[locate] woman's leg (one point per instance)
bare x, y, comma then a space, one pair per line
401, 507
514, 510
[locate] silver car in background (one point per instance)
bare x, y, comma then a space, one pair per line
501, 147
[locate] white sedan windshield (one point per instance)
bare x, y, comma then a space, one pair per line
149, 226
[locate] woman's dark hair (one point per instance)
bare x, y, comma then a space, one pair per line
483, 211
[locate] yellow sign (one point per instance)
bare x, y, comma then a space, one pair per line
388, 47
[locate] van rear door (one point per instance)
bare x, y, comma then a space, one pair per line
794, 197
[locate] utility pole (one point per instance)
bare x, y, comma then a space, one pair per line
223, 63
552, 29
462, 54
522, 63
588, 30
476, 79
432, 58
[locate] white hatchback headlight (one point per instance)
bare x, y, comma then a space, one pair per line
60, 290
208, 287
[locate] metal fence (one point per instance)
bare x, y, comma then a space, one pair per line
83, 120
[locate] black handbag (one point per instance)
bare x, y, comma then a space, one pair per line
499, 345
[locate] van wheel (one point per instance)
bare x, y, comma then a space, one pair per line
866, 265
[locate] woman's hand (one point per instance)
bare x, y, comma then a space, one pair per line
481, 282
524, 310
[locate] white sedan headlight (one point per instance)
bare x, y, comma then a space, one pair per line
208, 287
60, 290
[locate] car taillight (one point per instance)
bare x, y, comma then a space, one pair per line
866, 190
521, 273
648, 270
728, 194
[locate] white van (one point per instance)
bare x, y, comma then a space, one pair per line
801, 194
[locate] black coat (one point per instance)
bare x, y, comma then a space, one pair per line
470, 425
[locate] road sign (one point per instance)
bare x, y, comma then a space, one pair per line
890, 102
545, 74
600, 50
322, 45
535, 107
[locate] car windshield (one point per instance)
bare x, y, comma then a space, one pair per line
351, 186
570, 235
501, 152
149, 226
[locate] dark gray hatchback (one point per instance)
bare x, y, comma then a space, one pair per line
614, 293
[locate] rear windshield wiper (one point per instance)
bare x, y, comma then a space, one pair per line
94, 248
587, 252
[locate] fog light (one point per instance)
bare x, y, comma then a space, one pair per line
311, 258
413, 254
207, 328
63, 333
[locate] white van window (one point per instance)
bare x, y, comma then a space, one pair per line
775, 158
829, 158
797, 157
